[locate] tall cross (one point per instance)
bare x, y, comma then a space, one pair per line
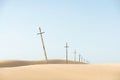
43, 44
79, 58
66, 52
87, 62
75, 56
84, 60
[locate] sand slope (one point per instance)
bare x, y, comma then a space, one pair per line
62, 72
16, 63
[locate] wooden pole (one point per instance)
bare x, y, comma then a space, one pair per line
84, 60
66, 52
43, 45
79, 58
75, 57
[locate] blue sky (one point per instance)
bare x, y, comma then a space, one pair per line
92, 27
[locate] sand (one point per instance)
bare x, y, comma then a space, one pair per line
61, 72
17, 63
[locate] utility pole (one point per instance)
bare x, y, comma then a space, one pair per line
79, 58
75, 57
87, 62
84, 60
66, 52
43, 44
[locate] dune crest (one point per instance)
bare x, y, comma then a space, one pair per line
17, 63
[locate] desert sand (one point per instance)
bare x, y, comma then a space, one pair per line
17, 63
58, 71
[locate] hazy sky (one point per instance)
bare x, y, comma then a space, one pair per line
92, 27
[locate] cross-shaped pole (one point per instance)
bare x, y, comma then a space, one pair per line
66, 52
87, 62
79, 58
43, 45
84, 60
75, 56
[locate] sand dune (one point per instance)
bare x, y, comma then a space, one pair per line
62, 72
16, 63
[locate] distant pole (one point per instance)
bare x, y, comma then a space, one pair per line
84, 60
75, 56
66, 52
87, 61
79, 58
43, 45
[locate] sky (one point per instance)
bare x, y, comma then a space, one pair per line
91, 27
